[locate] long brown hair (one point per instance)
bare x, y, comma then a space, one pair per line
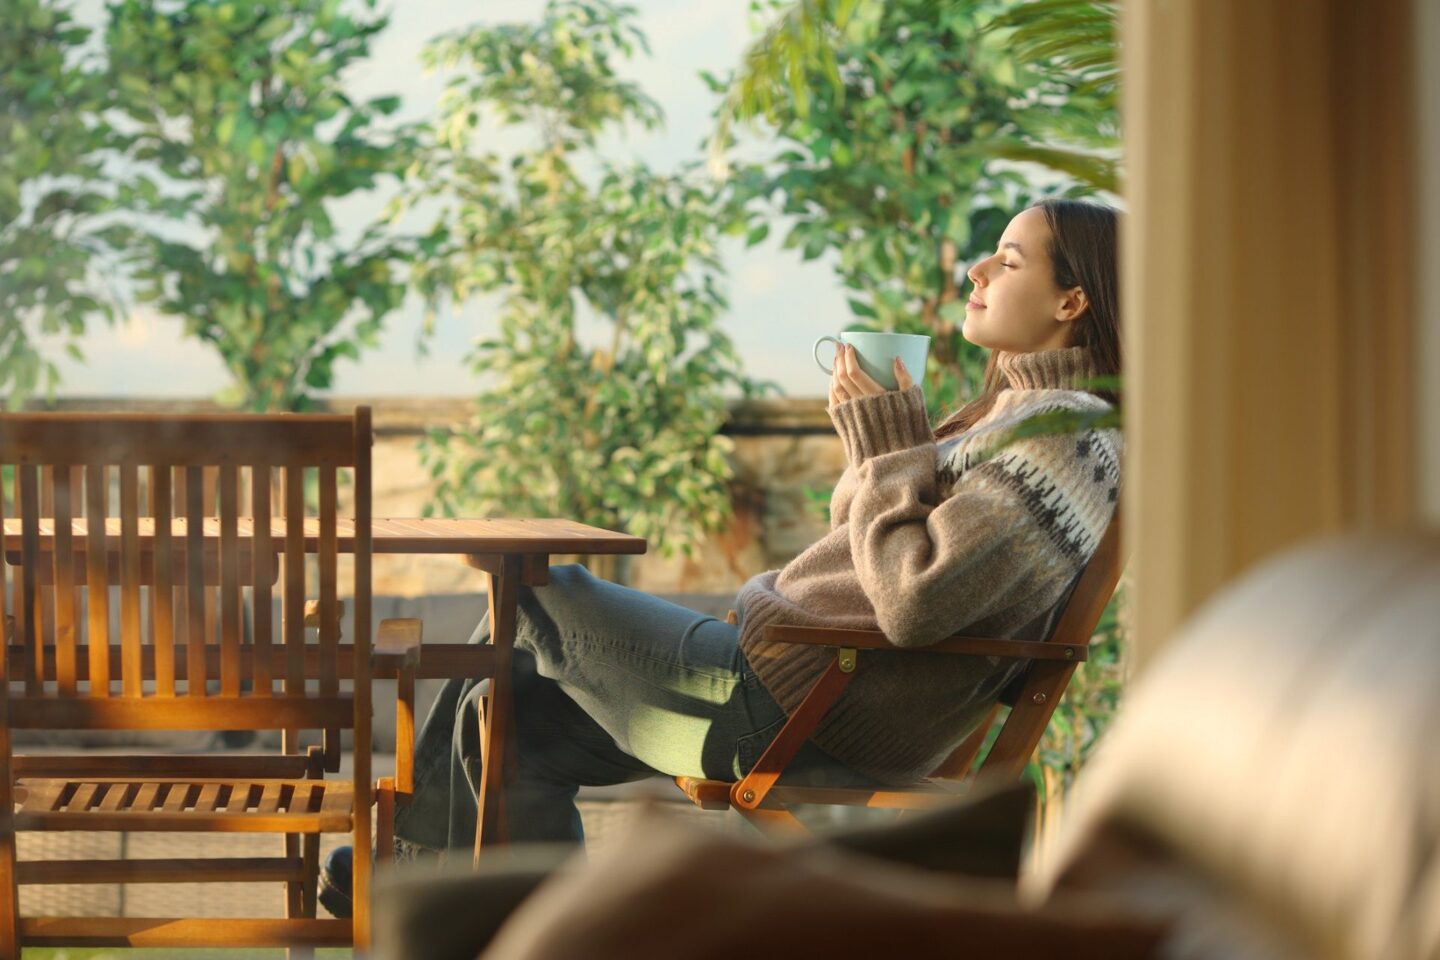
1083, 253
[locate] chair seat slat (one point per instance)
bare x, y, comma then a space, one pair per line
146, 796
209, 794
269, 799
83, 797
115, 795
108, 795
178, 796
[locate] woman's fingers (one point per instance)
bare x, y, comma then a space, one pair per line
902, 376
857, 381
849, 380
838, 393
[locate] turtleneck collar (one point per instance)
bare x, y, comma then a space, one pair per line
1047, 369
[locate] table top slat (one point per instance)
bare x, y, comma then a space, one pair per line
404, 535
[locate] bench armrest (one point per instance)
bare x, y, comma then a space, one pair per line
974, 646
397, 643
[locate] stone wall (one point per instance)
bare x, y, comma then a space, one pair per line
782, 446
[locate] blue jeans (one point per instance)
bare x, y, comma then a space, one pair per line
611, 685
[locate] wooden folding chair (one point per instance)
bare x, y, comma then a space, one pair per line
763, 800
154, 673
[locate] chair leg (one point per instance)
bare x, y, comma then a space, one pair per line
9, 883
385, 821
300, 895
310, 853
9, 899
494, 752
295, 894
292, 887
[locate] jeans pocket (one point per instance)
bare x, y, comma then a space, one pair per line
749, 747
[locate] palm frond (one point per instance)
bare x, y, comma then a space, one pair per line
1075, 37
1084, 166
800, 43
1072, 43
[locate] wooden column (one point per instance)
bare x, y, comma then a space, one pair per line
1427, 38
1270, 274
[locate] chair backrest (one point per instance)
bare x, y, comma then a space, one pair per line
179, 499
148, 668
1044, 681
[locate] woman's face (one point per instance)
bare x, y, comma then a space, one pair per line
1015, 305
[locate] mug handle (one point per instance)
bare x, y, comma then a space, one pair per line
815, 352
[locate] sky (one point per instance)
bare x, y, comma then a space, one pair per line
779, 304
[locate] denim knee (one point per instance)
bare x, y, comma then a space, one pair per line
543, 612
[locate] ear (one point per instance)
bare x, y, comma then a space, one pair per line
1072, 305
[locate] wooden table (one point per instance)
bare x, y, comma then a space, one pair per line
527, 538
511, 553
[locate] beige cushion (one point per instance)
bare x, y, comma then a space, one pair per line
1285, 750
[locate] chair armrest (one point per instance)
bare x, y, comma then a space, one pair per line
397, 647
981, 646
397, 643
312, 613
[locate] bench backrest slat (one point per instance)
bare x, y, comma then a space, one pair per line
131, 538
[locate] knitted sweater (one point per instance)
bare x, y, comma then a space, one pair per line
928, 540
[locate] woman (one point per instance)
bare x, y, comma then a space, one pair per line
931, 533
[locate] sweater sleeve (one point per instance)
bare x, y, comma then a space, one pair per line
840, 497
932, 570
881, 423
872, 425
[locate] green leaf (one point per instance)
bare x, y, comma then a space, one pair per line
386, 105
862, 309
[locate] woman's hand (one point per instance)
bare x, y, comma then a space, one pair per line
849, 381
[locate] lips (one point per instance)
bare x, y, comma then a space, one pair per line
972, 302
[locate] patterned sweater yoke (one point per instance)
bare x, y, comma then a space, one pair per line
982, 532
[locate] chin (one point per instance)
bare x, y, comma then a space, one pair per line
971, 334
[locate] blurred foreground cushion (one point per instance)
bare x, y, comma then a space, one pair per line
454, 912
1274, 778
671, 889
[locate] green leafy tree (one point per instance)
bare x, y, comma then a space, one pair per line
1069, 118
877, 162
246, 137
52, 148
621, 432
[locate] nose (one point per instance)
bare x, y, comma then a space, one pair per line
974, 273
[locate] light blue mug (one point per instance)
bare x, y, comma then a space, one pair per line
877, 353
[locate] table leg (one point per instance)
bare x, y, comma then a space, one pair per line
498, 732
